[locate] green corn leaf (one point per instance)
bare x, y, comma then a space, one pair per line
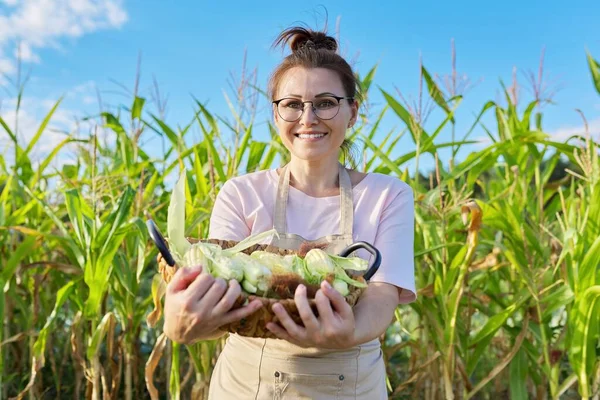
435, 92
471, 161
255, 155
73, 203
377, 122
62, 295
429, 145
210, 146
243, 146
405, 116
12, 136
174, 380
140, 240
555, 300
518, 371
99, 334
365, 83
68, 241
170, 133
584, 324
201, 181
183, 154
595, 71
384, 158
481, 349
23, 250
136, 109
497, 321
114, 220
151, 187
51, 156
42, 127
589, 267
110, 237
525, 122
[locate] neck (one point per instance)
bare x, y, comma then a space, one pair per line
317, 179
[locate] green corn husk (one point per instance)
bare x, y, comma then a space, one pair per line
195, 256
319, 264
256, 275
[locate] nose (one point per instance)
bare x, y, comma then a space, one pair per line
308, 117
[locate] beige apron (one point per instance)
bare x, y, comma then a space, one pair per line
254, 368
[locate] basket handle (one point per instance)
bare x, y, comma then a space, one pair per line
160, 242
367, 246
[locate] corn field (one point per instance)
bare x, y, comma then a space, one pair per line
507, 251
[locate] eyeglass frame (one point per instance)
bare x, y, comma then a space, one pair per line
338, 98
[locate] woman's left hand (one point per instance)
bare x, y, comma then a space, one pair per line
334, 328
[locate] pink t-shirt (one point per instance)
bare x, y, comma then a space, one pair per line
383, 216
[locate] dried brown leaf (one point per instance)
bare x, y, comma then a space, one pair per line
152, 363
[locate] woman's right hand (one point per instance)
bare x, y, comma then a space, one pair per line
197, 304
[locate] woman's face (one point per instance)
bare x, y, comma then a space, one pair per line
310, 138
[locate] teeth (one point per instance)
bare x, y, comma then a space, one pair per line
311, 135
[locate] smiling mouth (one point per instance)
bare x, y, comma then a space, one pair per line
310, 135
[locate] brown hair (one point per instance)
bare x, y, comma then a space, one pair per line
315, 49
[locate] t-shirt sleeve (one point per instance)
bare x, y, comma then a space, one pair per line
227, 218
395, 241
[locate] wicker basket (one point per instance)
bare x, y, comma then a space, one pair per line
255, 324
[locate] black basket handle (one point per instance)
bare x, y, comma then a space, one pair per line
364, 245
160, 242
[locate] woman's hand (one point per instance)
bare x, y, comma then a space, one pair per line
334, 328
197, 304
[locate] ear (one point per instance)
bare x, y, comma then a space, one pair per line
353, 113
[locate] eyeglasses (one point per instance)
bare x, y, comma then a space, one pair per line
326, 107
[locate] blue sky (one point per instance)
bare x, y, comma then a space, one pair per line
79, 47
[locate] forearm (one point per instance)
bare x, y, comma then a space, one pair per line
375, 311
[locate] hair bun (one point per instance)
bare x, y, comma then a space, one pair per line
301, 38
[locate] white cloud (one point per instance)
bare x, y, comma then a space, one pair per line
26, 124
26, 27
563, 133
38, 24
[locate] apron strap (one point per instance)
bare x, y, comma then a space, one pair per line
279, 219
346, 201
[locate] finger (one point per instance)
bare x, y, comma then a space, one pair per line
295, 330
242, 312
215, 293
337, 300
324, 306
229, 298
200, 286
306, 313
279, 331
182, 278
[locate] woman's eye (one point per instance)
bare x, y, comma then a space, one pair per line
293, 104
324, 104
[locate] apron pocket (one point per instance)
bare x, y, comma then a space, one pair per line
292, 385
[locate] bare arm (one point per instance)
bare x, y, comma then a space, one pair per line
375, 311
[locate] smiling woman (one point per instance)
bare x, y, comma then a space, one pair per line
313, 200
316, 132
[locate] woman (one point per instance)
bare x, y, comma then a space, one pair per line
312, 198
